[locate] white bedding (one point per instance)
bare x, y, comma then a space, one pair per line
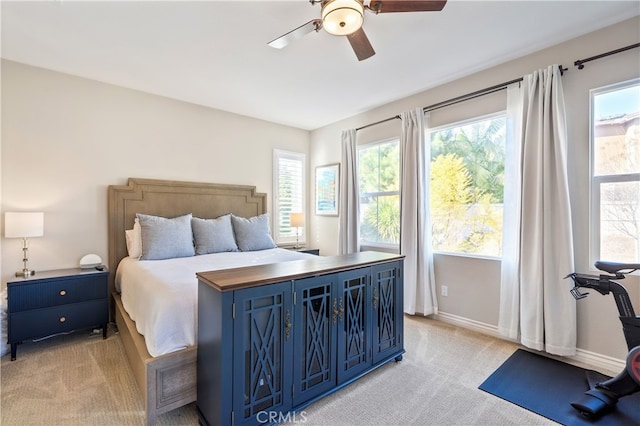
161, 295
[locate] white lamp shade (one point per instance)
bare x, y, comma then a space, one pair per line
296, 219
23, 224
342, 17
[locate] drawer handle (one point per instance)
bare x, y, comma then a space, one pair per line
63, 292
63, 319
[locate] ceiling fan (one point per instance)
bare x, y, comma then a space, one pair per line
345, 18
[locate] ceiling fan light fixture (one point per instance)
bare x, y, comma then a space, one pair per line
342, 17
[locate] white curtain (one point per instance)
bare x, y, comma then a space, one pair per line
349, 219
538, 240
509, 314
415, 223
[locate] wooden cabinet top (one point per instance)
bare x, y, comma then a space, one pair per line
252, 276
58, 274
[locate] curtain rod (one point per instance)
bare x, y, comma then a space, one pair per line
580, 62
452, 101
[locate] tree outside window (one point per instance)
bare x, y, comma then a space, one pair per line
379, 177
467, 175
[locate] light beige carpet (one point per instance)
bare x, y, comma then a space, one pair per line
82, 380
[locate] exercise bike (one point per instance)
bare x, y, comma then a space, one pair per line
604, 392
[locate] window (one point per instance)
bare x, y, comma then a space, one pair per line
288, 189
379, 182
466, 191
615, 172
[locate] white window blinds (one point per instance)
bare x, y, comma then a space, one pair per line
289, 195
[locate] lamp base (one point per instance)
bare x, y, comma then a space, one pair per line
25, 273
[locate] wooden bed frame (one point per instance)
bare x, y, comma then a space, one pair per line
167, 381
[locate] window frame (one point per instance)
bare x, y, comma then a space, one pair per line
366, 244
461, 123
596, 182
280, 238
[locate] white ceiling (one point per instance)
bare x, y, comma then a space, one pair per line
215, 53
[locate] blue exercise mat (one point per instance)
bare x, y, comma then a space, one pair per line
548, 387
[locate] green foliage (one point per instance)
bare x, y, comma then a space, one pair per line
463, 220
450, 193
382, 220
379, 168
466, 189
467, 173
450, 182
379, 174
481, 146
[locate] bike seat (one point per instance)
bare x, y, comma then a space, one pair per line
615, 267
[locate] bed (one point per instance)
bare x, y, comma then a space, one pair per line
167, 378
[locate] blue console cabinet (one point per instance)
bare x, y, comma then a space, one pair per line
274, 338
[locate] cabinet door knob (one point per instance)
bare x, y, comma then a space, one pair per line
63, 319
63, 292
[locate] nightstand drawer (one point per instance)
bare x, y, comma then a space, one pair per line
60, 291
58, 319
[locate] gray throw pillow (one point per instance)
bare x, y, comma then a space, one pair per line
164, 238
213, 235
253, 233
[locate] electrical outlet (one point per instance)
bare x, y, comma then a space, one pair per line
444, 290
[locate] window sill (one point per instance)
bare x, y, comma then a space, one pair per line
386, 248
470, 255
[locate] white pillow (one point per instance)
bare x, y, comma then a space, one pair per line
253, 233
134, 240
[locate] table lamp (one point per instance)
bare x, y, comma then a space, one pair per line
24, 225
296, 220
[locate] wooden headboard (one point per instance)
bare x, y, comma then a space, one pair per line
170, 199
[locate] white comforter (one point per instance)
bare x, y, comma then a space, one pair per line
161, 295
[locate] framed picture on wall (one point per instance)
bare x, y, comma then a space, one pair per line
327, 188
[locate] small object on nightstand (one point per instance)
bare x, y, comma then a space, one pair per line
89, 261
55, 302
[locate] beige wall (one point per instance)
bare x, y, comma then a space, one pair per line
65, 139
474, 284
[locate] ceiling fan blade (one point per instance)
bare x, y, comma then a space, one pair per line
361, 45
298, 33
388, 6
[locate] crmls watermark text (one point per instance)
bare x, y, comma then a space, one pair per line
280, 417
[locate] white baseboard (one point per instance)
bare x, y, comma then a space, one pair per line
470, 324
603, 363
